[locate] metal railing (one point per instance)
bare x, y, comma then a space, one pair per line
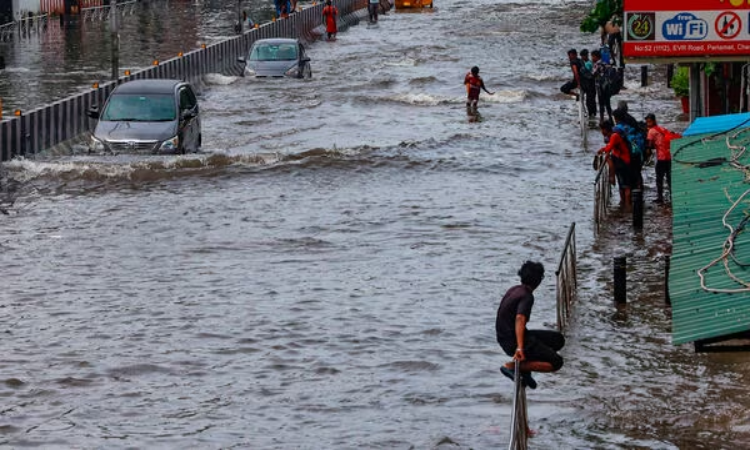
519, 424
24, 26
32, 132
602, 190
583, 118
102, 12
566, 275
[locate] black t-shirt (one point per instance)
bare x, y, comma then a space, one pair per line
518, 300
577, 63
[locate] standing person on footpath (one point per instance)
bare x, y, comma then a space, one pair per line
330, 15
601, 92
575, 67
629, 129
372, 9
619, 157
536, 350
588, 84
658, 139
474, 84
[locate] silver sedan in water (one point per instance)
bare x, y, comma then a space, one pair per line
277, 57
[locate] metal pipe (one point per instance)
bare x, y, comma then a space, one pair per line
644, 76
667, 264
637, 199
620, 281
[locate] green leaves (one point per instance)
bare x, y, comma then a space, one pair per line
603, 12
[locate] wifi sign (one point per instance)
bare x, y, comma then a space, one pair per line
684, 27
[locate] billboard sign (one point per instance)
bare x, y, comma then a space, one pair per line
678, 28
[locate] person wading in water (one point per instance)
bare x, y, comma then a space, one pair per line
474, 84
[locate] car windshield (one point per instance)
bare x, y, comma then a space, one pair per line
274, 52
140, 108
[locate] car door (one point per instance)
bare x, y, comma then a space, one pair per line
190, 127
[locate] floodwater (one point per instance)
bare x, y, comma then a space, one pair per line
325, 274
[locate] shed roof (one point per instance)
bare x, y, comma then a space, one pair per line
717, 124
704, 189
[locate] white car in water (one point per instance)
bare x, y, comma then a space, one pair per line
277, 57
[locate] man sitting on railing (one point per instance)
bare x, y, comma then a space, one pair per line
536, 350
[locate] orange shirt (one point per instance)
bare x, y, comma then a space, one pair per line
618, 148
656, 135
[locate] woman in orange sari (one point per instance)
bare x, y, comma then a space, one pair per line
330, 14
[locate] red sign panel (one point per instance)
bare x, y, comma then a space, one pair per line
681, 5
679, 28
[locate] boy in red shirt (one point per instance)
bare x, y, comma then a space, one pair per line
619, 157
656, 139
474, 84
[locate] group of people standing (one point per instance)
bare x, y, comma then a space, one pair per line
630, 144
595, 77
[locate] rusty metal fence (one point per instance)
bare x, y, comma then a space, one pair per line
31, 132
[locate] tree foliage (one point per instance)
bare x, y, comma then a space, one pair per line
603, 12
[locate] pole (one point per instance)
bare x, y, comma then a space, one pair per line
620, 280
637, 199
239, 17
644, 76
114, 31
667, 264
670, 74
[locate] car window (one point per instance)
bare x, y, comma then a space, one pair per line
140, 108
187, 99
274, 52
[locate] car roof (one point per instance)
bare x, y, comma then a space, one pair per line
148, 87
276, 41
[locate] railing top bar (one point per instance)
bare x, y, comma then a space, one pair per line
601, 168
571, 234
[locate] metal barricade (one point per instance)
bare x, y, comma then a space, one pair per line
566, 279
602, 190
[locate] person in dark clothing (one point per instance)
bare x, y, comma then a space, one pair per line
575, 67
536, 350
605, 97
588, 86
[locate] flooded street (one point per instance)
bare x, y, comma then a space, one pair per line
325, 274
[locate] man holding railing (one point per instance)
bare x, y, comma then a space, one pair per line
536, 350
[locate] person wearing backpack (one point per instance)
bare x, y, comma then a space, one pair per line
602, 92
588, 84
619, 156
659, 138
627, 127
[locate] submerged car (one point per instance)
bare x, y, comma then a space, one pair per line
277, 57
148, 116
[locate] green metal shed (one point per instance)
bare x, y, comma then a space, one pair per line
711, 202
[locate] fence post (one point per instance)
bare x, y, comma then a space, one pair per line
620, 281
667, 264
637, 200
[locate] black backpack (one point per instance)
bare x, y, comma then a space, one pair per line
611, 81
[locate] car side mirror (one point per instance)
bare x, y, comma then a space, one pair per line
305, 60
188, 114
93, 112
